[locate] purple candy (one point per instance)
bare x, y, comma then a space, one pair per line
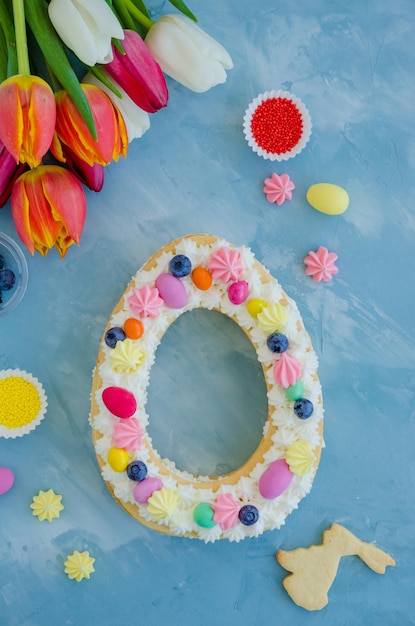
172, 290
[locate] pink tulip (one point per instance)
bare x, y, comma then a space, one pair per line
48, 209
9, 172
138, 73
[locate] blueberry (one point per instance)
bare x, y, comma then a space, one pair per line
137, 470
180, 266
248, 515
113, 335
7, 279
277, 342
303, 408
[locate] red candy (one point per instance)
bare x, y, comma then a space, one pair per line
277, 125
120, 402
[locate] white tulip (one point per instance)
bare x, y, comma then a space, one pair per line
86, 27
188, 54
136, 120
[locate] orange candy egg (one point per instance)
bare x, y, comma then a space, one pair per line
202, 278
133, 328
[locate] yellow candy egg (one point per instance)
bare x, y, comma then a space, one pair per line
255, 306
328, 198
118, 458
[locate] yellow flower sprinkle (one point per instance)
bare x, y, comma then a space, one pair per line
47, 505
19, 402
79, 565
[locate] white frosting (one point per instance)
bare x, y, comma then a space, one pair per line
272, 513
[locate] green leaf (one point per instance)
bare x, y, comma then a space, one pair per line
56, 59
7, 27
142, 7
180, 5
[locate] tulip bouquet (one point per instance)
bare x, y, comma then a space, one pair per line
79, 80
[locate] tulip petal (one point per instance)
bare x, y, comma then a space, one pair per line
139, 74
48, 209
188, 54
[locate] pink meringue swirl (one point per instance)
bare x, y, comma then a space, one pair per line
226, 511
225, 264
128, 434
278, 188
287, 370
320, 264
145, 302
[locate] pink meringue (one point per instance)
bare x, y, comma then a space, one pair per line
225, 264
287, 370
226, 511
145, 302
320, 264
278, 188
128, 434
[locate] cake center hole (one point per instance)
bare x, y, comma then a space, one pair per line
207, 400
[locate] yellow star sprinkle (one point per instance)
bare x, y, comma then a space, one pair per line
79, 565
47, 505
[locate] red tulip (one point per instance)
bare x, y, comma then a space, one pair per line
138, 73
48, 209
9, 172
71, 130
90, 175
27, 118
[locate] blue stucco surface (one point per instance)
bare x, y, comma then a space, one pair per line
352, 64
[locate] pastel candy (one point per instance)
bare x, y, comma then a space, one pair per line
145, 489
328, 198
172, 290
238, 292
119, 401
275, 480
6, 479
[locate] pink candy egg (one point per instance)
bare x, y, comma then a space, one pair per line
275, 479
120, 402
238, 292
172, 290
145, 489
6, 479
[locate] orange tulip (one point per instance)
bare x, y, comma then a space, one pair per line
27, 118
71, 130
48, 209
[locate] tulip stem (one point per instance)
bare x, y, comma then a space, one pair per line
21, 40
138, 15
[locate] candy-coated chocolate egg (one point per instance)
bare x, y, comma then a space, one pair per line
238, 292
118, 458
328, 198
6, 479
172, 290
119, 401
296, 391
202, 278
275, 480
255, 306
203, 515
133, 328
145, 489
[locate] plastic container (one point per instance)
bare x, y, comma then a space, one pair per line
13, 259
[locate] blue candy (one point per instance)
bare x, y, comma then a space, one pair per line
277, 342
180, 266
248, 515
303, 408
137, 471
113, 335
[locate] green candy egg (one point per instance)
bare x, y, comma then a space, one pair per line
296, 391
328, 198
203, 515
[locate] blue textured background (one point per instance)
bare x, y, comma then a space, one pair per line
352, 63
